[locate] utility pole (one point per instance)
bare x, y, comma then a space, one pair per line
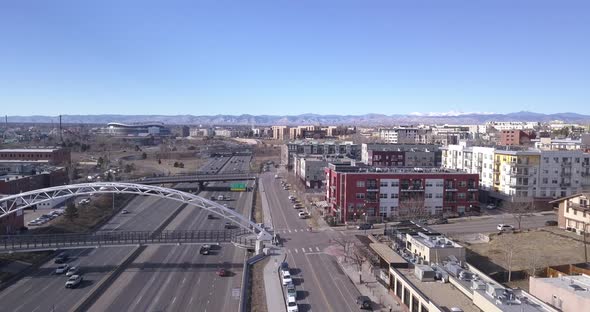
585, 249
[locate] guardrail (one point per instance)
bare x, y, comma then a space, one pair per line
194, 178
16, 243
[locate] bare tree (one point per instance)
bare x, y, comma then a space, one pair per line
345, 242
412, 208
535, 261
359, 258
508, 249
519, 210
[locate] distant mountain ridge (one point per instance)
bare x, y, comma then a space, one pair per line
311, 119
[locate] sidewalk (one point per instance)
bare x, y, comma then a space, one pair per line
370, 287
272, 283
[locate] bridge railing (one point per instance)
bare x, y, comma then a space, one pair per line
56, 241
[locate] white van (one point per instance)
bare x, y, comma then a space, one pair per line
220, 197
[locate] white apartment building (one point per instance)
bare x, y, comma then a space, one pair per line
399, 135
557, 144
513, 125
483, 163
560, 173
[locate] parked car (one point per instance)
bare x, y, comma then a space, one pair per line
286, 276
205, 249
284, 266
72, 271
364, 226
505, 227
550, 223
303, 215
291, 292
62, 269
491, 206
124, 211
74, 281
213, 197
291, 197
292, 305
364, 302
298, 206
210, 216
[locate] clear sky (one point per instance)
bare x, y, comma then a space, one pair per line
292, 57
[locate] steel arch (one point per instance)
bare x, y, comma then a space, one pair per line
12, 203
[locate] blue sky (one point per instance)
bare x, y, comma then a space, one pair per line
293, 57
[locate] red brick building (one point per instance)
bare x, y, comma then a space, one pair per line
516, 137
360, 192
53, 156
14, 184
12, 223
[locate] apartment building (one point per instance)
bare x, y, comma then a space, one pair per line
280, 132
521, 174
358, 191
513, 125
400, 155
310, 169
573, 213
325, 148
399, 135
557, 144
516, 137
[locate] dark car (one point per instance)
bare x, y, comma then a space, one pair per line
364, 302
365, 226
62, 258
550, 223
284, 266
205, 249
228, 225
210, 216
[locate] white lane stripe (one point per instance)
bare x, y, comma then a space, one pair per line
296, 250
295, 231
289, 231
317, 248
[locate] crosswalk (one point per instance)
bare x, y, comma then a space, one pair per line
286, 231
304, 250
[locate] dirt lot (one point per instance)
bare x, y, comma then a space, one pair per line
531, 251
258, 295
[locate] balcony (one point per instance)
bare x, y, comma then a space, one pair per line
563, 184
577, 206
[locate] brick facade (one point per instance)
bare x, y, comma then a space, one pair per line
53, 156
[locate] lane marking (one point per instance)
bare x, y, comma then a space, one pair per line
296, 250
317, 248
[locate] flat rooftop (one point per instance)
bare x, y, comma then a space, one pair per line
578, 284
28, 150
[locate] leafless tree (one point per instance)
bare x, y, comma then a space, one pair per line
345, 242
508, 249
412, 208
359, 258
535, 261
520, 209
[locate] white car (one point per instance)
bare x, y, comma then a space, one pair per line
124, 211
62, 269
491, 206
74, 281
505, 227
292, 305
291, 292
303, 215
72, 271
287, 278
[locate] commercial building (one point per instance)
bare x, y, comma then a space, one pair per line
513, 125
280, 132
202, 132
310, 169
52, 156
557, 144
566, 293
118, 129
401, 155
445, 282
42, 177
185, 131
325, 148
354, 192
516, 137
399, 135
12, 223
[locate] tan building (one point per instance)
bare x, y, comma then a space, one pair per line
432, 249
567, 293
574, 212
280, 132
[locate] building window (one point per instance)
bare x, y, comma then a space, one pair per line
384, 184
360, 195
360, 183
407, 297
395, 195
395, 183
382, 195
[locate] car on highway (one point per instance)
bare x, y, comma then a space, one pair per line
220, 197
205, 249
291, 291
124, 211
61, 258
286, 277
364, 226
222, 272
73, 271
62, 269
550, 223
74, 281
303, 215
210, 216
228, 225
364, 302
505, 227
213, 197
292, 305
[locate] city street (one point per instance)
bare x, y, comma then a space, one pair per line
321, 284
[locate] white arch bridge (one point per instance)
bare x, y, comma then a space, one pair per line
13, 203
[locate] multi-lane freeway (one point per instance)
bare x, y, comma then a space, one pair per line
162, 277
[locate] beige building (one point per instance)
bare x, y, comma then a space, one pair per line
280, 132
568, 293
432, 249
574, 212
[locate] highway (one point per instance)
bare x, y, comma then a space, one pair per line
321, 284
43, 290
178, 278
